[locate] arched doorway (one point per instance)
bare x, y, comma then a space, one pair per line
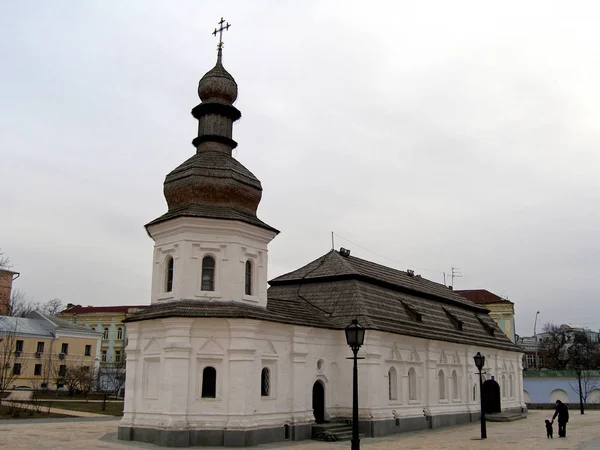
318, 401
490, 394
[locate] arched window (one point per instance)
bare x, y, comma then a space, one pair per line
392, 384
248, 277
208, 274
120, 334
504, 387
105, 335
441, 385
412, 384
455, 393
209, 382
265, 382
511, 386
169, 267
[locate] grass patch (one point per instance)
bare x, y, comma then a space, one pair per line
11, 412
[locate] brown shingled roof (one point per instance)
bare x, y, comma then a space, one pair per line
332, 290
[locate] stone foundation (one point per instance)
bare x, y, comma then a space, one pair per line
249, 438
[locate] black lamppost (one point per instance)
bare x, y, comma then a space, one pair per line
355, 335
479, 363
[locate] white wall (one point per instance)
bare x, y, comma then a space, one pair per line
188, 240
166, 358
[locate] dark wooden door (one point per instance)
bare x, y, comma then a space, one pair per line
490, 394
318, 401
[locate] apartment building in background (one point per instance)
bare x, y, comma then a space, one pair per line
37, 350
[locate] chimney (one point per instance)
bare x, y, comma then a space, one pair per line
6, 280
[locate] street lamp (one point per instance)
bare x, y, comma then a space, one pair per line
355, 335
536, 341
479, 363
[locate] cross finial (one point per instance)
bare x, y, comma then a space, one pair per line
220, 31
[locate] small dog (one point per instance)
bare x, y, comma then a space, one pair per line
549, 429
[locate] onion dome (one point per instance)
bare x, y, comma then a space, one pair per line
217, 85
212, 183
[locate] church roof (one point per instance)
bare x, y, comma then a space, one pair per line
334, 289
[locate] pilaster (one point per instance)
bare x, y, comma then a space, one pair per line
176, 357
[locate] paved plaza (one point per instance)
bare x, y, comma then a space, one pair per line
583, 433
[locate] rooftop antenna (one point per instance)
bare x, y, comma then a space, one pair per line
332, 242
455, 274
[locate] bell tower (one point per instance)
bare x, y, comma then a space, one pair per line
210, 245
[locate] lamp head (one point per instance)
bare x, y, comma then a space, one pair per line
479, 361
355, 335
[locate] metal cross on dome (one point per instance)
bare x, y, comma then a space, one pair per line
220, 31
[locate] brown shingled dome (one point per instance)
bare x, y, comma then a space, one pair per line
218, 86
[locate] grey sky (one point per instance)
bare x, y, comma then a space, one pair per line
431, 133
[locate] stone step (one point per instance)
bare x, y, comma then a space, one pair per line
331, 432
505, 417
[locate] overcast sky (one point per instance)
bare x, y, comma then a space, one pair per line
429, 134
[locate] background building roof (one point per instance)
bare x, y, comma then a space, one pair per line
482, 296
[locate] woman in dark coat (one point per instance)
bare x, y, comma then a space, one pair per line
563, 417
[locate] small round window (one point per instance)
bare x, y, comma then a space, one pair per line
320, 365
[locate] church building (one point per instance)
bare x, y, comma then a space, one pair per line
218, 359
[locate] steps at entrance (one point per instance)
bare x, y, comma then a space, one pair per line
332, 431
505, 417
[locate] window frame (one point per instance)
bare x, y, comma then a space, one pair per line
248, 278
392, 384
120, 334
413, 388
64, 348
17, 369
169, 274
88, 350
19, 345
209, 391
36, 372
442, 396
265, 382
106, 333
103, 356
40, 347
206, 269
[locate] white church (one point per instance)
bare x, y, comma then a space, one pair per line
223, 357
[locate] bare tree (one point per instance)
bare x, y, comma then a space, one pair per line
52, 307
553, 346
4, 261
10, 362
589, 382
21, 305
111, 379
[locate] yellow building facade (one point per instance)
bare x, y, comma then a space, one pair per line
108, 320
38, 350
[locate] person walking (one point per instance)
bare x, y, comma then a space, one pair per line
563, 417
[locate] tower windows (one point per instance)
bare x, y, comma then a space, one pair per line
265, 382
169, 267
208, 274
209, 382
248, 283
